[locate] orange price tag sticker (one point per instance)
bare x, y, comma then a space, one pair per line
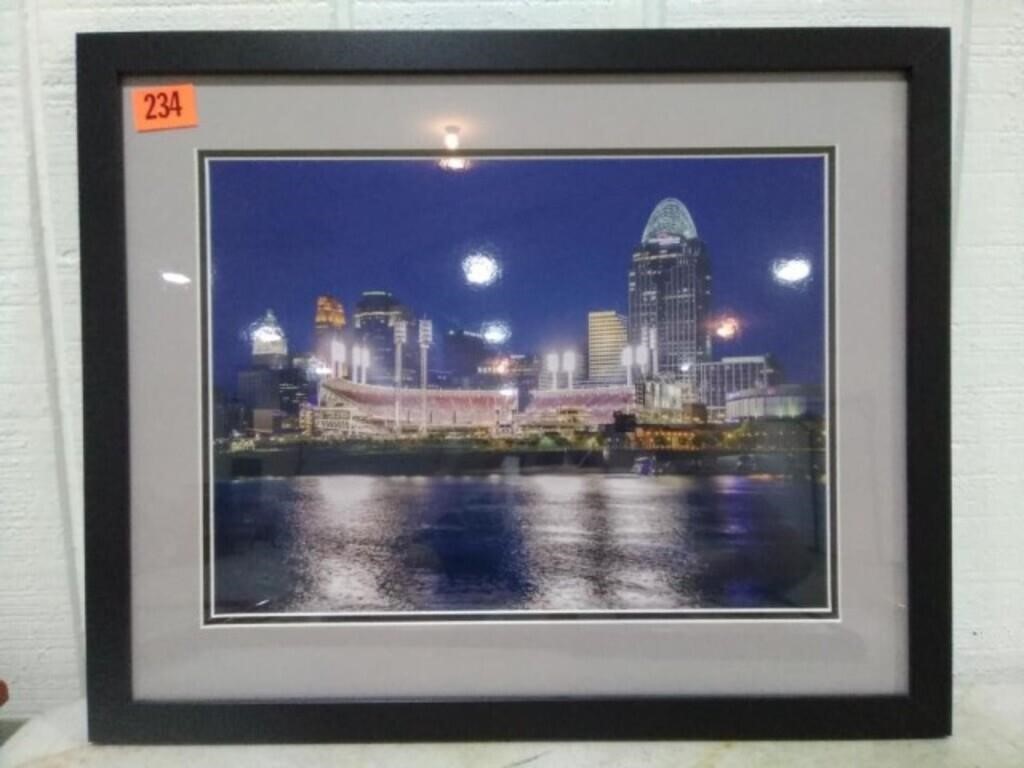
165, 106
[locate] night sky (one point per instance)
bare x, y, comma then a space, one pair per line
563, 230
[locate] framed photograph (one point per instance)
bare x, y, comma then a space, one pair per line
516, 385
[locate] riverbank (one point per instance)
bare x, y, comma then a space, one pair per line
328, 459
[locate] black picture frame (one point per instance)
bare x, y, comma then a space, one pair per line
922, 55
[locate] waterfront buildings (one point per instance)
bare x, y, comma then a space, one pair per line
272, 389
665, 340
715, 380
606, 337
670, 291
779, 402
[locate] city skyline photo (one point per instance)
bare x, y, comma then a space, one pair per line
293, 222
518, 386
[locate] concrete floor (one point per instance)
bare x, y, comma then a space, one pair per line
988, 731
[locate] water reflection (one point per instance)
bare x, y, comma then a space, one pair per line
580, 542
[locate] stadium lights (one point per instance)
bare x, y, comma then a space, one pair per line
426, 334
360, 362
336, 358
569, 365
551, 362
627, 363
401, 330
337, 352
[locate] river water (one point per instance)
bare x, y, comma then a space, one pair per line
516, 542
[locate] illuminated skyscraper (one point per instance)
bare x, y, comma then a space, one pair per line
670, 292
606, 338
269, 344
327, 325
374, 318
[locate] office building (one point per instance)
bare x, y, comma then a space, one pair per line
670, 292
464, 352
328, 322
786, 401
374, 320
606, 338
715, 381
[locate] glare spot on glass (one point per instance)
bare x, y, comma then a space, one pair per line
451, 137
454, 163
727, 328
480, 269
175, 278
792, 271
496, 332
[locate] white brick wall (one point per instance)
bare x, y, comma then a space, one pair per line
40, 422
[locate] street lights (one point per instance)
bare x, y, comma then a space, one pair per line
552, 368
426, 339
360, 363
627, 363
565, 363
569, 365
401, 335
337, 361
357, 360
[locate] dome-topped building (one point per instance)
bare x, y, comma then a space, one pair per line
669, 219
269, 344
670, 294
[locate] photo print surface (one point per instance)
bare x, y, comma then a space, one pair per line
519, 386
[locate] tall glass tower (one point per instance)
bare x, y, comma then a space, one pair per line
670, 293
328, 323
375, 317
